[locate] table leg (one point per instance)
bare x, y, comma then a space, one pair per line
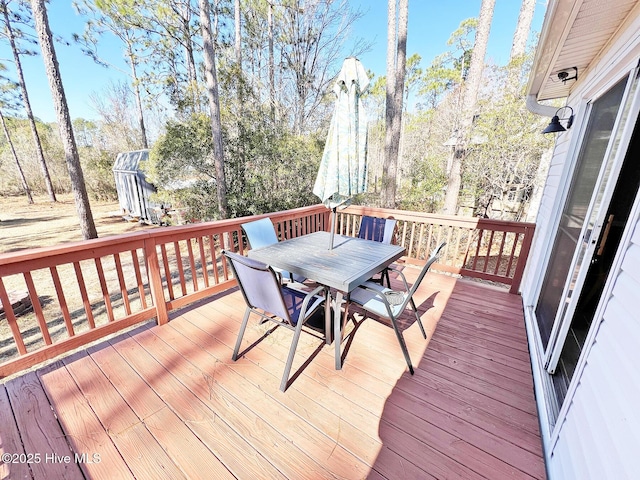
337, 329
339, 322
327, 316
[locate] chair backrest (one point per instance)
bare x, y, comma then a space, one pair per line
377, 229
258, 284
432, 259
260, 233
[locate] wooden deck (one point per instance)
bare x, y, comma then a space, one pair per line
168, 402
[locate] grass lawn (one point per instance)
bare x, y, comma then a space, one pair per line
45, 223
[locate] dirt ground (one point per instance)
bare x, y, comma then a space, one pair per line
45, 223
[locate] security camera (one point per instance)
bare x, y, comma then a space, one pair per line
564, 77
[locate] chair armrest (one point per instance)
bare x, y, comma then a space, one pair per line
404, 279
380, 295
305, 303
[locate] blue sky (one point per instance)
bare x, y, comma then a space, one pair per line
431, 22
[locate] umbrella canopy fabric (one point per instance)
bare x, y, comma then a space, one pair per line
343, 169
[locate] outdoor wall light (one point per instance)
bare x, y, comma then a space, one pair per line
555, 125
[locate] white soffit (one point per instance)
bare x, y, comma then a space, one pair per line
574, 34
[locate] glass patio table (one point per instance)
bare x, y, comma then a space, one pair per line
351, 262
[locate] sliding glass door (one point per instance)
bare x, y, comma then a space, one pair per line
574, 233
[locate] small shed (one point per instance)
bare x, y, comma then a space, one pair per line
132, 186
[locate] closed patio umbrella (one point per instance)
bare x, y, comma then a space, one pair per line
343, 169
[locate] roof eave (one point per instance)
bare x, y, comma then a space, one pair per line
555, 29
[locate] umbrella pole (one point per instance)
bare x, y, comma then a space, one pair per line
333, 227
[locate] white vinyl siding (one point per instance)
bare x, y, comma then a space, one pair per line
599, 437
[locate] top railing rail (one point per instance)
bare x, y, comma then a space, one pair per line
83, 291
488, 249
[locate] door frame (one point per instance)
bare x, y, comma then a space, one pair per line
564, 158
598, 317
621, 134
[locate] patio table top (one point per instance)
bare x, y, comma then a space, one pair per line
348, 264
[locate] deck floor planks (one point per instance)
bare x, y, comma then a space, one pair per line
506, 398
472, 365
497, 409
164, 424
336, 462
510, 472
503, 354
81, 426
508, 347
300, 398
484, 324
41, 432
431, 458
408, 379
348, 406
476, 459
200, 419
458, 417
482, 394
495, 446
151, 409
144, 455
10, 441
289, 458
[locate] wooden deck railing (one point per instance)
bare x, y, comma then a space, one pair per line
84, 291
482, 248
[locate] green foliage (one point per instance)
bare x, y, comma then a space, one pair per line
267, 169
22, 140
97, 166
424, 189
501, 166
182, 154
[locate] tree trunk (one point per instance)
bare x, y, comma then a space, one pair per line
185, 18
396, 66
214, 105
136, 91
471, 88
388, 189
401, 75
72, 158
272, 71
27, 106
525, 18
238, 35
519, 45
25, 185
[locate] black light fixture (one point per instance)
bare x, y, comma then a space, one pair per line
555, 125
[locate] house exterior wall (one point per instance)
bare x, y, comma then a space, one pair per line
596, 433
599, 437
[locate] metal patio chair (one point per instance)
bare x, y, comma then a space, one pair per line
266, 297
378, 230
389, 304
261, 233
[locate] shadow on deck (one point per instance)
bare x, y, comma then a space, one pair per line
168, 402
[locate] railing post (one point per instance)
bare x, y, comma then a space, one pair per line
11, 319
522, 258
327, 220
155, 281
